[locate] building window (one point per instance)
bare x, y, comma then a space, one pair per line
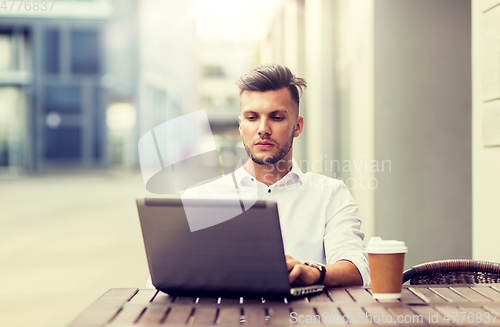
62, 98
51, 52
5, 51
85, 52
63, 143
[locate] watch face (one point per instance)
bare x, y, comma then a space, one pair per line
320, 267
322, 270
316, 265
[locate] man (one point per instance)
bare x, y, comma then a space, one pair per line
318, 216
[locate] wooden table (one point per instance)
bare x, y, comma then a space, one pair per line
429, 305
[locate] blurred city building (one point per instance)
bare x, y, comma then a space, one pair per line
56, 81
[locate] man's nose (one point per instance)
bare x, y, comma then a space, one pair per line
264, 127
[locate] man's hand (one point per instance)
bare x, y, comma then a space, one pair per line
299, 273
340, 273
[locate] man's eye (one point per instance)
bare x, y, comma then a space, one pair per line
278, 118
251, 118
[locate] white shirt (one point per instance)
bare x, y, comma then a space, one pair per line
318, 216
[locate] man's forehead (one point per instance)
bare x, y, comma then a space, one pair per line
247, 98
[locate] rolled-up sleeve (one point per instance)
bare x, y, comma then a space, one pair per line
343, 239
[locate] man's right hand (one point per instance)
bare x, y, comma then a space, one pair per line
300, 273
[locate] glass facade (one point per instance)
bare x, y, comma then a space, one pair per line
71, 107
13, 104
63, 143
62, 98
84, 52
51, 103
51, 50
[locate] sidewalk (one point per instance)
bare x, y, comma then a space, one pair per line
65, 240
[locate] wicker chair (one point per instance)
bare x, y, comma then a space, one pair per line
459, 271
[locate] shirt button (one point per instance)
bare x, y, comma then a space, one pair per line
269, 191
252, 179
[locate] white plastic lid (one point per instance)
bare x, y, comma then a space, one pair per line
378, 245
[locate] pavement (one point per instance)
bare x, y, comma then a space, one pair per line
65, 239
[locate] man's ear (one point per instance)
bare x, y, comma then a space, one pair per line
239, 124
299, 126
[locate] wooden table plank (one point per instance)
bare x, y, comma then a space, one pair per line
204, 315
339, 295
489, 292
355, 315
431, 316
305, 314
319, 297
163, 298
494, 317
330, 315
300, 300
178, 315
446, 311
477, 317
143, 296
155, 314
255, 315
409, 297
379, 315
251, 301
406, 317
230, 315
361, 295
470, 294
494, 307
129, 314
427, 295
278, 315
449, 295
231, 301
104, 308
457, 315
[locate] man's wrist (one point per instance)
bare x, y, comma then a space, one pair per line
321, 269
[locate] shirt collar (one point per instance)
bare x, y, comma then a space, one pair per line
295, 175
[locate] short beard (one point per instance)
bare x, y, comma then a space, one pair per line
271, 160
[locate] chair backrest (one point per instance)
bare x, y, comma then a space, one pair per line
459, 271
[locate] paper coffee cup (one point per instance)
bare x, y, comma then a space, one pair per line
386, 260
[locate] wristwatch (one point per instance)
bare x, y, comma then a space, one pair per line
322, 270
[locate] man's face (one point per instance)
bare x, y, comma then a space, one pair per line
268, 124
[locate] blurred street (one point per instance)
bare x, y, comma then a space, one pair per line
66, 239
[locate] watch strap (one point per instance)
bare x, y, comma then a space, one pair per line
320, 267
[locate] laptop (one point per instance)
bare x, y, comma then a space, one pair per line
240, 257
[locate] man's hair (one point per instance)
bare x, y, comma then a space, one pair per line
272, 77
